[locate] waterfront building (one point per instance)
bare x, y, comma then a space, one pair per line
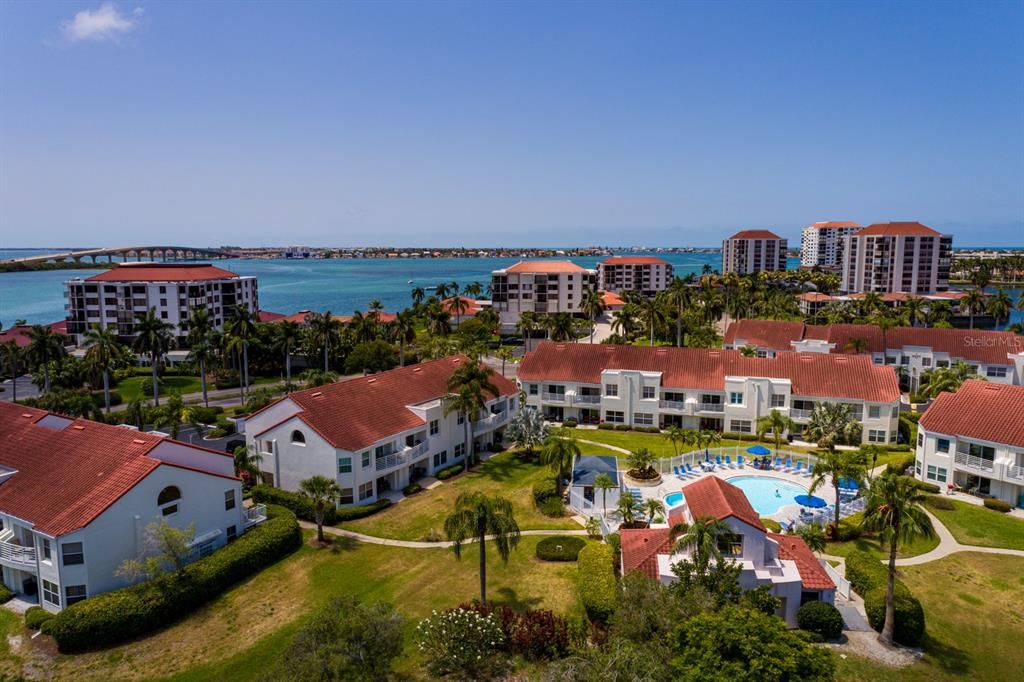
114, 297
784, 563
974, 440
540, 286
704, 388
821, 244
751, 251
903, 256
19, 333
76, 497
812, 303
466, 309
645, 275
374, 435
997, 356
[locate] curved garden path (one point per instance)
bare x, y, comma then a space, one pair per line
417, 544
613, 448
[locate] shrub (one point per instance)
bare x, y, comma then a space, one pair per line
448, 472
556, 548
544, 489
301, 505
534, 633
606, 427
865, 572
206, 415
432, 535
216, 432
362, 510
115, 397
740, 436
821, 618
622, 427
113, 617
226, 425
5, 594
849, 529
597, 587
927, 487
461, 642
412, 489
936, 502
900, 465
36, 616
997, 505
569, 423
771, 524
909, 629
552, 507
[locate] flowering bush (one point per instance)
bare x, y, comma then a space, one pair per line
535, 633
461, 642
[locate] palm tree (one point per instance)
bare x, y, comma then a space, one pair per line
202, 344
135, 414
640, 460
652, 313
322, 491
44, 347
469, 387
939, 379
813, 536
857, 345
441, 291
702, 538
777, 424
418, 294
459, 307
286, 335
914, 307
104, 350
679, 294
559, 454
707, 438
604, 483
561, 327
505, 354
895, 509
476, 517
526, 326
247, 461
676, 436
999, 305
527, 430
836, 466
324, 331
972, 302
12, 360
152, 338
241, 324
592, 306
655, 508
629, 507
403, 330
831, 423
473, 289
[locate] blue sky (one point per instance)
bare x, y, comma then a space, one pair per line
546, 123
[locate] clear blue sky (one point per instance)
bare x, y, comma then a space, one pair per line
505, 123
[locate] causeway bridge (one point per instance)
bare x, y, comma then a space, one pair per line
126, 253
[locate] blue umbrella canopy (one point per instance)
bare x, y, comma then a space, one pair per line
847, 484
810, 501
759, 450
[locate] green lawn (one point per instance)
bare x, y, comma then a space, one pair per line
655, 442
974, 622
10, 664
975, 525
244, 631
131, 388
871, 544
503, 474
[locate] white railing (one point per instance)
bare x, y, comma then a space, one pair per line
800, 414
402, 456
842, 584
712, 407
489, 422
672, 405
587, 399
255, 514
1015, 472
18, 555
553, 397
974, 462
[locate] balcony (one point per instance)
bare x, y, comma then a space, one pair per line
553, 397
800, 414
677, 405
403, 456
712, 407
488, 423
1015, 472
972, 462
587, 400
255, 514
17, 556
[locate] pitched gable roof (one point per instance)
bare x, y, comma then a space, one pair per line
711, 496
812, 573
897, 229
981, 410
544, 266
755, 234
640, 549
160, 272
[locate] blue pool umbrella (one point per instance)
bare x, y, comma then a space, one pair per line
810, 501
847, 484
759, 450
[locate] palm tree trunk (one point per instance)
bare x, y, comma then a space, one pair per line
325, 358
106, 389
287, 369
890, 608
679, 328
46, 377
156, 383
245, 362
469, 445
837, 506
320, 528
401, 353
202, 380
483, 566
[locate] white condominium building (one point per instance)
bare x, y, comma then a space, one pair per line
821, 244
646, 275
76, 497
114, 297
752, 251
974, 440
541, 286
888, 257
705, 388
374, 434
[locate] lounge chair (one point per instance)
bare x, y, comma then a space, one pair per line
728, 461
810, 470
798, 468
691, 471
788, 467
778, 463
739, 461
718, 460
786, 526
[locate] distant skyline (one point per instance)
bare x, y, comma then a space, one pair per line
512, 124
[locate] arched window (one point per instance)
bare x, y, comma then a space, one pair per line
298, 438
167, 500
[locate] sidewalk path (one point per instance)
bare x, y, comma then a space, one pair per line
415, 544
949, 545
602, 445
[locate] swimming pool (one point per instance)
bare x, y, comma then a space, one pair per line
767, 494
673, 500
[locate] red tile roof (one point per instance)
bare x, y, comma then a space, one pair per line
542, 266
610, 298
755, 234
641, 547
472, 306
300, 317
267, 316
162, 272
909, 229
775, 334
981, 410
833, 223
19, 333
821, 375
66, 478
816, 296
634, 260
711, 496
354, 413
812, 573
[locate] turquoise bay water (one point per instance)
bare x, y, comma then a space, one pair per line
767, 494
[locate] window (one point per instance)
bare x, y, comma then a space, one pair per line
611, 390
731, 545
935, 473
344, 465
643, 419
232, 533
51, 593
995, 372
874, 412
739, 425
459, 450
167, 500
73, 594
205, 548
614, 417
366, 491
942, 445
533, 389
920, 439
73, 553
440, 458
917, 467
778, 401
298, 438
876, 436
435, 427
461, 419
46, 550
366, 459
267, 447
926, 362
648, 392
735, 398
345, 496
229, 500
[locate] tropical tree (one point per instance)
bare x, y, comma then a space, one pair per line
604, 483
592, 305
477, 517
857, 345
473, 289
652, 313
831, 424
403, 330
641, 462
287, 335
972, 301
593, 526
914, 307
654, 508
102, 354
418, 294
679, 294
999, 306
202, 343
813, 536
629, 508
702, 538
44, 347
470, 386
895, 509
247, 461
505, 354
527, 430
152, 338
135, 414
458, 306
939, 379
676, 436
527, 325
322, 492
324, 332
559, 453
12, 355
776, 424
241, 325
561, 327
707, 438
835, 467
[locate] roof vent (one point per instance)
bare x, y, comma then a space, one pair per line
317, 394
78, 427
417, 369
26, 415
371, 381
138, 441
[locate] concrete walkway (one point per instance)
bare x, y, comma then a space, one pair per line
613, 448
949, 545
415, 544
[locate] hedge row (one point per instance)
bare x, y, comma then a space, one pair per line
820, 618
5, 594
362, 510
595, 564
557, 548
997, 505
544, 489
113, 617
448, 472
36, 618
868, 577
300, 504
